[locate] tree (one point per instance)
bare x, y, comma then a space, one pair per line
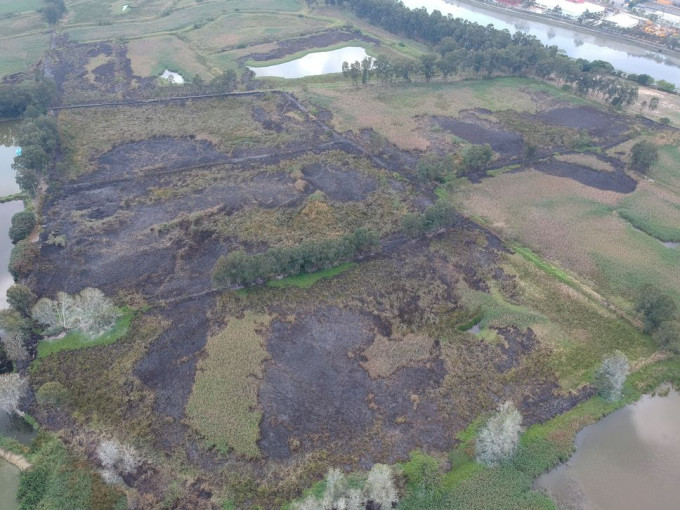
13, 387
655, 308
475, 157
667, 336
434, 168
22, 258
90, 311
428, 66
116, 460
380, 487
21, 298
643, 155
665, 86
23, 224
336, 488
498, 439
96, 312
654, 103
14, 345
611, 376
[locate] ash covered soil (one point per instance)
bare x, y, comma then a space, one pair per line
144, 222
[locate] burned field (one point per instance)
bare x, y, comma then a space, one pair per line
272, 385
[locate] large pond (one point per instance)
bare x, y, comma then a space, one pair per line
11, 426
627, 57
312, 64
630, 460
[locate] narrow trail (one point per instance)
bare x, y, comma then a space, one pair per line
15, 459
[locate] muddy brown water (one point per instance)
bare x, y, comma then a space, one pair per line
626, 461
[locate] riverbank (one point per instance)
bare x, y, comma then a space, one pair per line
668, 52
15, 459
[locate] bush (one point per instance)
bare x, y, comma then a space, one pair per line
498, 438
23, 224
435, 168
440, 215
611, 376
22, 259
655, 307
15, 346
21, 299
667, 336
476, 157
643, 156
52, 394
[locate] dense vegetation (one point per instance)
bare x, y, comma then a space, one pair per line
464, 47
239, 268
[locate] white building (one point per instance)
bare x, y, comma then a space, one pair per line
624, 20
571, 9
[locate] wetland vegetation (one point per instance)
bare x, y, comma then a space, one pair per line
291, 268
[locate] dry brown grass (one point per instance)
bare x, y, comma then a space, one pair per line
94, 63
393, 111
587, 160
669, 105
386, 355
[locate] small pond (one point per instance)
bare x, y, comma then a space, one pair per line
313, 64
628, 461
172, 77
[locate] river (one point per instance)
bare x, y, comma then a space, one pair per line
627, 57
629, 460
9, 426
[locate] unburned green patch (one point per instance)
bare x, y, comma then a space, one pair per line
304, 281
224, 396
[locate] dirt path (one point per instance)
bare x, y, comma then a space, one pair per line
15, 459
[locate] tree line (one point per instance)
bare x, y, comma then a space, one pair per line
240, 268
463, 47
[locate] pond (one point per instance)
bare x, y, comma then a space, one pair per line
625, 56
627, 461
313, 64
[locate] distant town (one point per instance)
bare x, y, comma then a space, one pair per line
654, 21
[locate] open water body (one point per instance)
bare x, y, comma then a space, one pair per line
629, 460
626, 57
9, 426
313, 64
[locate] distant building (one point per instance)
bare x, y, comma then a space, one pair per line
571, 9
624, 20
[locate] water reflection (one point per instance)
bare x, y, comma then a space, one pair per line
628, 460
627, 57
323, 62
8, 184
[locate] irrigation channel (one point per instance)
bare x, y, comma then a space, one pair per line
10, 426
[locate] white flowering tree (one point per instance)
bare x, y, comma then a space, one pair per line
611, 376
91, 311
13, 387
117, 460
380, 487
498, 438
14, 344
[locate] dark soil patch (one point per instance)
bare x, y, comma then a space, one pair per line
608, 181
341, 184
478, 131
516, 346
315, 391
596, 122
320, 40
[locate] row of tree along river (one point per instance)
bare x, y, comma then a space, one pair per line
10, 426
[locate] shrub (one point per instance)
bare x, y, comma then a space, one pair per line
611, 376
643, 156
14, 345
52, 394
435, 168
475, 157
116, 460
13, 387
22, 258
667, 336
498, 438
23, 224
21, 298
655, 308
380, 487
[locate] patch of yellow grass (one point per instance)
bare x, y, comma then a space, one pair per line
223, 401
587, 160
386, 355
